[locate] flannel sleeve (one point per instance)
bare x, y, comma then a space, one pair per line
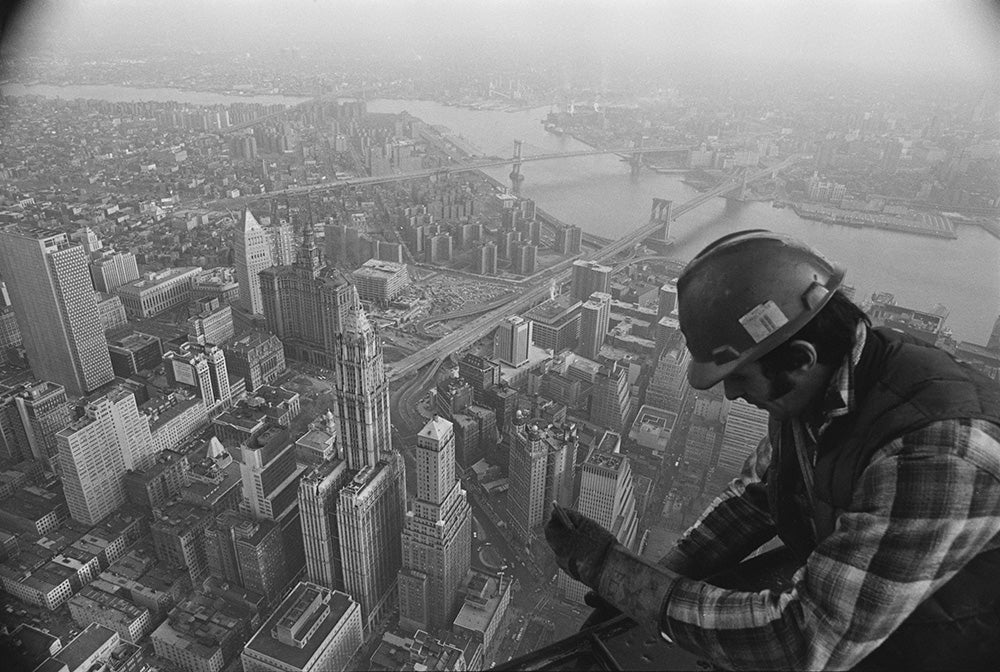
735, 524
925, 505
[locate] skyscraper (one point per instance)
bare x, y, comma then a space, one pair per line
50, 289
305, 305
595, 315
607, 495
43, 410
511, 341
371, 507
610, 404
318, 496
247, 552
589, 277
282, 239
668, 385
251, 255
541, 471
113, 270
437, 534
745, 426
97, 450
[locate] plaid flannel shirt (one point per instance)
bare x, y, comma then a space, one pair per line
927, 503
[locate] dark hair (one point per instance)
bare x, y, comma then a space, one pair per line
831, 332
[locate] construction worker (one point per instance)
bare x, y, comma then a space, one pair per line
881, 472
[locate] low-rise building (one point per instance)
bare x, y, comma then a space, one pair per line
157, 292
484, 611
92, 605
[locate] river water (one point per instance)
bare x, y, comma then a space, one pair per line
599, 194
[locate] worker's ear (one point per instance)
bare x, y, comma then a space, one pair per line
802, 357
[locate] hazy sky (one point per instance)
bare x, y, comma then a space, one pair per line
959, 37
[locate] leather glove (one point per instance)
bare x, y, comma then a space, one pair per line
580, 544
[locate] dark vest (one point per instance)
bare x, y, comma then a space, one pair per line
901, 385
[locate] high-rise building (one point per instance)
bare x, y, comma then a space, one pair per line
318, 496
50, 289
314, 629
568, 240
482, 616
370, 510
484, 257
589, 277
610, 404
523, 258
251, 255
380, 281
541, 471
258, 358
305, 305
437, 533
480, 373
668, 384
203, 369
157, 292
113, 270
555, 323
246, 551
97, 450
595, 315
371, 507
511, 341
44, 410
281, 237
607, 496
667, 299
745, 426
269, 473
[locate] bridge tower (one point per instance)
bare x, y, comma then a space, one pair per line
635, 159
660, 213
744, 189
516, 178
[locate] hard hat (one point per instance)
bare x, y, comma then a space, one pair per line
746, 294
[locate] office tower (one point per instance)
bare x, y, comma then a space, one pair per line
541, 471
370, 510
305, 305
247, 552
314, 629
52, 295
318, 495
555, 324
437, 534
380, 281
135, 352
258, 358
88, 239
14, 445
269, 473
43, 410
371, 507
589, 277
97, 450
667, 299
595, 315
511, 341
281, 237
113, 270
607, 495
668, 385
203, 369
480, 373
745, 426
609, 403
251, 255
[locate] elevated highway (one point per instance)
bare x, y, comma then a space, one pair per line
480, 326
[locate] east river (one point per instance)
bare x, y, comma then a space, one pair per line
599, 194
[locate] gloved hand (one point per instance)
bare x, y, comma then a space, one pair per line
580, 547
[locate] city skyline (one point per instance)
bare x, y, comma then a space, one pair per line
310, 311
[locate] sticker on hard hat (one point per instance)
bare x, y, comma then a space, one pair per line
763, 320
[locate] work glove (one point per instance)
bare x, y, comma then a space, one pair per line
579, 544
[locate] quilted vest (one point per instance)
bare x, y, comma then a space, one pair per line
901, 385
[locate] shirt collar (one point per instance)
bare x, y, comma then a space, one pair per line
839, 400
